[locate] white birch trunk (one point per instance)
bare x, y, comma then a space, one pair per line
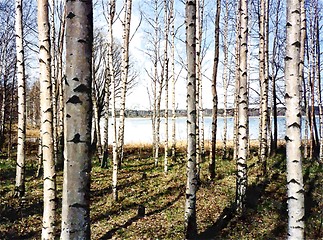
47, 142
225, 78
60, 80
191, 185
20, 168
263, 77
319, 87
242, 109
113, 105
237, 83
3, 72
166, 22
124, 75
200, 107
106, 104
157, 121
78, 119
172, 63
53, 76
295, 187
198, 83
96, 120
3, 108
301, 66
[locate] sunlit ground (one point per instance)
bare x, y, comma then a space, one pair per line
142, 186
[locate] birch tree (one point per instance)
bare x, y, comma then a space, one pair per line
310, 92
214, 89
263, 77
274, 73
172, 64
319, 86
60, 80
106, 82
113, 97
78, 118
295, 188
242, 99
7, 71
20, 167
199, 19
191, 184
98, 62
7, 63
156, 74
124, 73
166, 64
53, 77
47, 141
237, 80
225, 76
312, 24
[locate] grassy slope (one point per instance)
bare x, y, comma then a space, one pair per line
163, 198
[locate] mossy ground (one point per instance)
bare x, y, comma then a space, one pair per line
141, 184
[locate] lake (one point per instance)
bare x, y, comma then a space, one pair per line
139, 130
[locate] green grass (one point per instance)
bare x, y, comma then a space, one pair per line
141, 184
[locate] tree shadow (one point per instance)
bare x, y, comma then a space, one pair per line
108, 190
13, 234
140, 215
133, 205
213, 232
253, 194
9, 174
312, 182
138, 168
228, 216
15, 211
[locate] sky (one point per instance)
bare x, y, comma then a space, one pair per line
139, 98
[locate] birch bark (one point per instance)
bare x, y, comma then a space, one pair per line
242, 109
198, 84
263, 86
295, 188
78, 119
21, 81
166, 61
47, 142
191, 184
172, 64
124, 75
111, 14
225, 77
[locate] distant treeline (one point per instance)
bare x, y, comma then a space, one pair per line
130, 113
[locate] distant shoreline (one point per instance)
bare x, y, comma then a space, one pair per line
253, 112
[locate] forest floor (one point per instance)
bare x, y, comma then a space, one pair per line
162, 196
